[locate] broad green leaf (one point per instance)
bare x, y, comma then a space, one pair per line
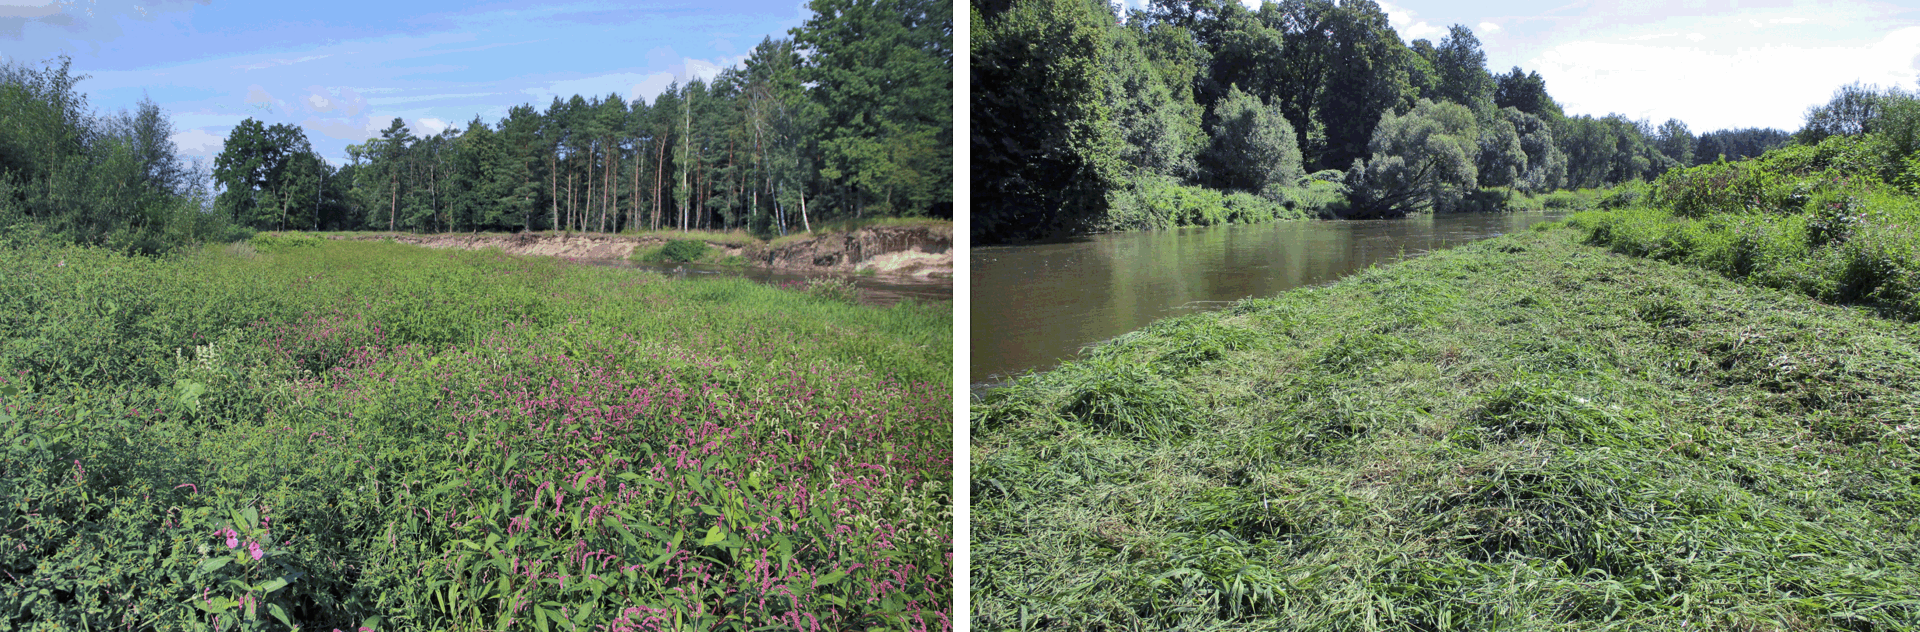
714, 536
279, 613
214, 564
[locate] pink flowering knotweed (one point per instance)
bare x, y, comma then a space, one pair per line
620, 476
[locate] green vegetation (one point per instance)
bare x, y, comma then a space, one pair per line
295, 432
1838, 220
734, 238
1524, 433
108, 180
1555, 430
684, 250
1075, 106
849, 117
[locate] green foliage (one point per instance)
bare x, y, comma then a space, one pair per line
449, 440
1811, 219
881, 73
1253, 146
1044, 144
111, 181
683, 250
269, 176
1320, 195
1526, 92
270, 242
1422, 162
1153, 203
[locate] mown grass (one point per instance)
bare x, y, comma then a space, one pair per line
346, 434
1526, 433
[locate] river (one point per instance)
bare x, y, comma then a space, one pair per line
1036, 305
874, 289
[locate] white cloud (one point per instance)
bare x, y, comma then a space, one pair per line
1409, 27
343, 129
198, 142
257, 94
1699, 85
429, 126
338, 101
650, 87
1489, 27
40, 28
1696, 37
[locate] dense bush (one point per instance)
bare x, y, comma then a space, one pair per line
1154, 202
366, 434
684, 250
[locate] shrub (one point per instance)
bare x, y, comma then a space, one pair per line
834, 289
684, 250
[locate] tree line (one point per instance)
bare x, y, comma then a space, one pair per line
1079, 110
112, 179
848, 118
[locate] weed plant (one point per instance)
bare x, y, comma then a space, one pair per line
1526, 433
363, 435
1817, 220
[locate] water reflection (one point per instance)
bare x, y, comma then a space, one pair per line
1033, 306
874, 290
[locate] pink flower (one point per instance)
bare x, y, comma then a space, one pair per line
233, 539
254, 549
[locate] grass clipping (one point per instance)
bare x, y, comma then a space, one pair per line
1525, 433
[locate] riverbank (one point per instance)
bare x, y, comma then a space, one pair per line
297, 432
1077, 293
1525, 432
920, 249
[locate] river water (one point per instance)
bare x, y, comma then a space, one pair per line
874, 290
1036, 305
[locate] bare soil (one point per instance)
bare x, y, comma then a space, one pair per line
924, 252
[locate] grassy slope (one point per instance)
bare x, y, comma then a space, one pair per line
460, 440
1525, 433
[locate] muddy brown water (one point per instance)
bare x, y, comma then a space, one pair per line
1034, 306
874, 290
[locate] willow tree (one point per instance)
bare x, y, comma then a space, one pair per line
1422, 161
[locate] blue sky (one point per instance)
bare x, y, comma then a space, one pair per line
1713, 64
344, 70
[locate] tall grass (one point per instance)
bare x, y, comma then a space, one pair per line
1526, 433
1811, 219
350, 434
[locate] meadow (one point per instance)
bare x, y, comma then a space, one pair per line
295, 433
1527, 433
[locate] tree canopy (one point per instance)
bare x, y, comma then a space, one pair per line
1075, 102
